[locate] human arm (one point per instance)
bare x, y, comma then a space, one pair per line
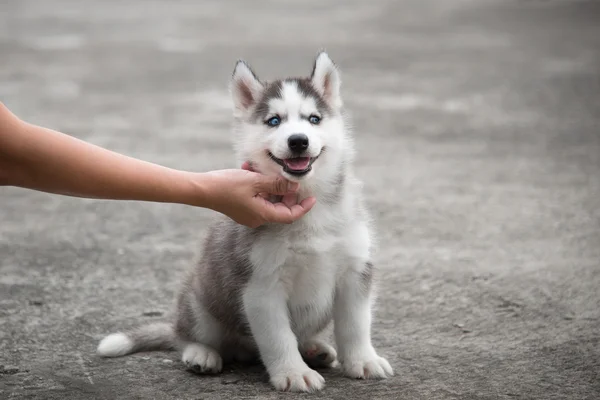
42, 159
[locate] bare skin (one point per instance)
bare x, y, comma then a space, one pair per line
42, 159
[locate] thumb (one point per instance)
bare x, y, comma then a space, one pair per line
274, 185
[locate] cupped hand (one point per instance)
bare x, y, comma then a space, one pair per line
242, 196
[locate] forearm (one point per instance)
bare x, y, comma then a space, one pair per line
38, 158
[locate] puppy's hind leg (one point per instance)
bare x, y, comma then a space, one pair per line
200, 337
201, 358
318, 354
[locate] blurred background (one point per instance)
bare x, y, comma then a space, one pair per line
477, 125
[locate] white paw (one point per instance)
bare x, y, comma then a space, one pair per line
318, 354
201, 358
298, 380
373, 367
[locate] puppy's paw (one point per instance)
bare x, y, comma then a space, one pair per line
297, 380
202, 359
373, 367
318, 354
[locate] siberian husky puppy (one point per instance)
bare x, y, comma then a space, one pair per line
270, 291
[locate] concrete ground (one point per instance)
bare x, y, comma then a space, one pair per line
478, 135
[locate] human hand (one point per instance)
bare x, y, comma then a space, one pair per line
240, 194
289, 199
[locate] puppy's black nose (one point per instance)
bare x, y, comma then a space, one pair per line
298, 142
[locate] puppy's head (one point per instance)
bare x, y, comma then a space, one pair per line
292, 127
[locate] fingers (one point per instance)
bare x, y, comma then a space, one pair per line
297, 211
305, 205
265, 195
274, 185
290, 199
281, 213
286, 211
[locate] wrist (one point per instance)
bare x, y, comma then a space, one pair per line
197, 190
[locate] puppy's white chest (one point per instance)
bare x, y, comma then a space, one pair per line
307, 274
310, 271
309, 280
306, 243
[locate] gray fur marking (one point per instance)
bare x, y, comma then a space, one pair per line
157, 336
306, 88
218, 280
272, 91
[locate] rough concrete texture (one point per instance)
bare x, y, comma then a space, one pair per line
478, 135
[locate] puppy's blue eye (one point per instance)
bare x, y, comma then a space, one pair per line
274, 121
313, 119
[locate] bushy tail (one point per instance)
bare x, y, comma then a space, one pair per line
158, 336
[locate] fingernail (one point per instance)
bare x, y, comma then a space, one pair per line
292, 186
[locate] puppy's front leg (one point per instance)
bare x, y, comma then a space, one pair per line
352, 326
265, 305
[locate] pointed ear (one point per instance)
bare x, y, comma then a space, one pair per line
245, 86
326, 79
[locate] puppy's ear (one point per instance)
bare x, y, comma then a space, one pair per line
326, 79
245, 86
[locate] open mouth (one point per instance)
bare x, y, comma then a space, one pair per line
296, 166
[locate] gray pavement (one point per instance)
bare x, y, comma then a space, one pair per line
478, 136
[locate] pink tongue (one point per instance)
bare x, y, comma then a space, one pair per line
297, 164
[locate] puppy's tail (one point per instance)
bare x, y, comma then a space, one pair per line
158, 336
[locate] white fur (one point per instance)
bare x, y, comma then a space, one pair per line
352, 328
115, 345
327, 80
202, 357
